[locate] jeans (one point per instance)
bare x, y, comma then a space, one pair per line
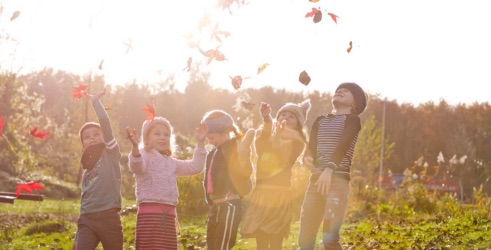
99, 227
329, 210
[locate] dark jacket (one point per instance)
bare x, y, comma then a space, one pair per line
228, 177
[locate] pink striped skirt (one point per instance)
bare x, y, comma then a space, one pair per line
156, 226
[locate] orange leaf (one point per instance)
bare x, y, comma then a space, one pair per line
350, 47
79, 92
39, 134
333, 16
150, 111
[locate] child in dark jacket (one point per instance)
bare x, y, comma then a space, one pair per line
227, 178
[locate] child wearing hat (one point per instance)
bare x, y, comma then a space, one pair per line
155, 171
329, 153
270, 208
99, 220
227, 175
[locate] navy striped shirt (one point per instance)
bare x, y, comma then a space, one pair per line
333, 140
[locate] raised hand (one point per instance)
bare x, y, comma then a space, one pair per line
265, 109
98, 95
201, 132
244, 146
131, 134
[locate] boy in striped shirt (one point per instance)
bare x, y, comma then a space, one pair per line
329, 154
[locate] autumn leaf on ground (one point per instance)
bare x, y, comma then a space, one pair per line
79, 92
262, 67
304, 78
150, 111
15, 15
1, 125
28, 187
333, 16
350, 46
237, 81
38, 134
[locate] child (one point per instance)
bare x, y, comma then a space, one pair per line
155, 171
99, 220
332, 143
269, 213
227, 178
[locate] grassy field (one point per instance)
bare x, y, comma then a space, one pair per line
51, 225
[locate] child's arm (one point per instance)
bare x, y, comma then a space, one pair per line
136, 164
104, 120
197, 164
351, 129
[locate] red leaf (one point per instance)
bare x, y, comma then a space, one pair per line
150, 111
79, 92
1, 125
333, 16
39, 134
28, 187
312, 13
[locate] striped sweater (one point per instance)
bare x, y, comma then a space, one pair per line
332, 142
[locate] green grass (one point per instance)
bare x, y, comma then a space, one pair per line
51, 224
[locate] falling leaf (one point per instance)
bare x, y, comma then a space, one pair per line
316, 13
213, 54
79, 92
225, 4
129, 45
150, 111
39, 134
28, 187
107, 107
100, 64
350, 46
188, 65
248, 105
314, 1
333, 16
1, 125
262, 67
15, 15
218, 34
304, 78
237, 81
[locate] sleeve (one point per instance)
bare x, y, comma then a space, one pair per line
312, 146
263, 140
107, 131
351, 129
194, 166
136, 164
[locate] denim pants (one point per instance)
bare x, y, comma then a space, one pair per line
99, 227
329, 210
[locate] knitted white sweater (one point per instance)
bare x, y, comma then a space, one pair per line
155, 174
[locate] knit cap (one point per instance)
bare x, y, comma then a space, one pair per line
300, 110
361, 98
149, 124
220, 123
